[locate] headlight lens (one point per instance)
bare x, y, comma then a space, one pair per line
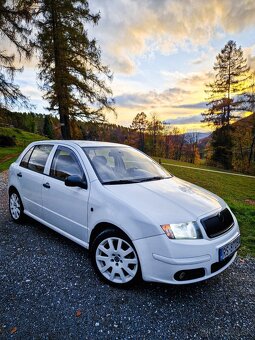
188, 230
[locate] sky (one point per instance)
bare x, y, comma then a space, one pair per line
161, 53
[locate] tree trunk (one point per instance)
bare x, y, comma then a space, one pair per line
61, 90
251, 149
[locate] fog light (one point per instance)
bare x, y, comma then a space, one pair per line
189, 274
182, 275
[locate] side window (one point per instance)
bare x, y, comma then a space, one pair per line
39, 158
65, 164
25, 159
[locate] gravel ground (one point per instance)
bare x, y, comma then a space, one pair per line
49, 290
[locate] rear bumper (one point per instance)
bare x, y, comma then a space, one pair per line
162, 260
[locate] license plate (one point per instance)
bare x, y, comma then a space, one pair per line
229, 248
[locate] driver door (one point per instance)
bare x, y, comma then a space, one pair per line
65, 207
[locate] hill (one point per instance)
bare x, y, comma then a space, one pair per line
21, 138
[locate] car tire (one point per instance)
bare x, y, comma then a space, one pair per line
15, 206
115, 259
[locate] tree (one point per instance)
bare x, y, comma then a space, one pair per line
48, 127
14, 18
155, 128
250, 100
140, 124
225, 92
74, 79
192, 151
225, 99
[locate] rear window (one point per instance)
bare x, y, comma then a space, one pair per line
25, 159
36, 158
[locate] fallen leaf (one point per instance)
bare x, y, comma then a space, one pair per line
78, 313
250, 201
13, 330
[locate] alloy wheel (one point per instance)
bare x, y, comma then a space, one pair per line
15, 206
116, 260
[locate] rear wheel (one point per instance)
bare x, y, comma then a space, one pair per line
15, 206
115, 259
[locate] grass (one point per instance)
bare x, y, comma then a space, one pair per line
238, 192
201, 165
23, 138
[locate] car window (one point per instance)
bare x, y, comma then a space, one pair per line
64, 164
122, 164
39, 157
25, 159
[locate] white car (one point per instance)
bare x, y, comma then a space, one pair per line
136, 218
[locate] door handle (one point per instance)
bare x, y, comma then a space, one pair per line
46, 185
19, 174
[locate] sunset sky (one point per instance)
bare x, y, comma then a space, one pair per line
162, 53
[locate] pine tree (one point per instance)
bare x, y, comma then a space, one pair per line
226, 99
14, 18
74, 79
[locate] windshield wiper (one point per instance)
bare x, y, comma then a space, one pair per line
122, 181
155, 178
139, 180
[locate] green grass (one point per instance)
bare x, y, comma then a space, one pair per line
23, 138
201, 165
234, 190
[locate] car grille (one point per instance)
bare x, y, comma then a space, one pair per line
218, 224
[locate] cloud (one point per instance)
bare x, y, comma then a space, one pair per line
249, 53
201, 105
192, 79
128, 29
183, 120
151, 99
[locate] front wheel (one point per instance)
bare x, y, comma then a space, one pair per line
115, 259
15, 206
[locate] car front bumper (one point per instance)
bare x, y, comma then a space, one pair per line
183, 261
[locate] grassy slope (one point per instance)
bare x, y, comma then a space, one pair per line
23, 138
235, 191
201, 165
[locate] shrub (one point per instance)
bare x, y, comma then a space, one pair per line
7, 140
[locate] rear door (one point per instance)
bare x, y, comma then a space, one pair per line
65, 207
30, 177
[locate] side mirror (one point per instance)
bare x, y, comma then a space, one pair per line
76, 181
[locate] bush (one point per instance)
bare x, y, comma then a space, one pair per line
7, 140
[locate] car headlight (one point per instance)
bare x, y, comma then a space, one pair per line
188, 230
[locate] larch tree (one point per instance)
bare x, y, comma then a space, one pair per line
14, 18
250, 102
225, 101
225, 92
73, 77
155, 128
140, 124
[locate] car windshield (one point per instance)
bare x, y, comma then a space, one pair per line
122, 165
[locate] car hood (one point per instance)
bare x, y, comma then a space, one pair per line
167, 201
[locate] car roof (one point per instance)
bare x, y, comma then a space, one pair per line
81, 143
